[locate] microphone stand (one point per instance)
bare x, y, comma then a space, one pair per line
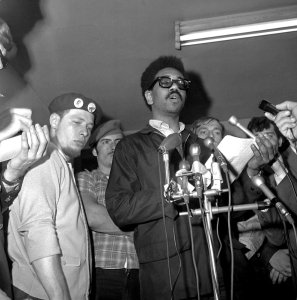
207, 210
172, 195
209, 238
239, 207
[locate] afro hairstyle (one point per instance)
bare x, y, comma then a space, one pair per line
148, 76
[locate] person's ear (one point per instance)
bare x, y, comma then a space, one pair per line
149, 97
54, 120
280, 142
94, 152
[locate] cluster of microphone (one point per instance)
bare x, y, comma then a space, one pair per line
197, 171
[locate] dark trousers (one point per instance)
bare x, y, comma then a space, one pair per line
264, 286
5, 284
115, 284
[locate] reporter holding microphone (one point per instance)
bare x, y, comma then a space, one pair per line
34, 140
286, 121
31, 146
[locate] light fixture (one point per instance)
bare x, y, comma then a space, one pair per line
237, 26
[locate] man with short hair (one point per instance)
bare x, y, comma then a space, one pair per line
116, 263
272, 263
206, 127
48, 239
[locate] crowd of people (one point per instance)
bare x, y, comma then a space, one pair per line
113, 232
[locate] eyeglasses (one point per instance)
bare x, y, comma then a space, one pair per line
167, 82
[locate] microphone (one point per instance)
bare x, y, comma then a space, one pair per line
233, 120
184, 167
195, 151
197, 168
258, 181
209, 142
169, 143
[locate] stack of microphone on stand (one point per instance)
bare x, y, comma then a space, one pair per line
175, 195
172, 194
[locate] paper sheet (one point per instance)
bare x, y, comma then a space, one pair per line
237, 152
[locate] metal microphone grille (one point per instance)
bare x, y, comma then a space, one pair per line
233, 120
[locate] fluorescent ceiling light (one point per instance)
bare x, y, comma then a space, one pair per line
230, 27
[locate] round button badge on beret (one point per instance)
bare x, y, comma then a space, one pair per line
78, 102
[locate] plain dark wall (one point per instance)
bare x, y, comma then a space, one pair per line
100, 48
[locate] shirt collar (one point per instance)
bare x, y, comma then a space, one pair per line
101, 174
164, 127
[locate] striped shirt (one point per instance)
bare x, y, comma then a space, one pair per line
111, 251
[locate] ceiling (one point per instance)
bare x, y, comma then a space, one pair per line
100, 48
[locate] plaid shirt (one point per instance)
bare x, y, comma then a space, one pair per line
111, 251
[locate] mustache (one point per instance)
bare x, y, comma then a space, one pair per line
174, 92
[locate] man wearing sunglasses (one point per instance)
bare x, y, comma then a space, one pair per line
134, 195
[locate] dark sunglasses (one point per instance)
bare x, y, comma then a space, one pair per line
167, 82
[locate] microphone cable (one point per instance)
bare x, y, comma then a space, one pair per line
219, 238
179, 265
165, 229
230, 234
288, 173
173, 283
295, 236
225, 170
193, 250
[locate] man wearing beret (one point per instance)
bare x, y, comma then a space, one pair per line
116, 263
48, 239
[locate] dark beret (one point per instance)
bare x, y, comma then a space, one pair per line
76, 101
107, 128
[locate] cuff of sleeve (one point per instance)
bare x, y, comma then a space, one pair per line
10, 186
278, 178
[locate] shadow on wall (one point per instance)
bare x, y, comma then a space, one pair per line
21, 16
198, 102
198, 105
